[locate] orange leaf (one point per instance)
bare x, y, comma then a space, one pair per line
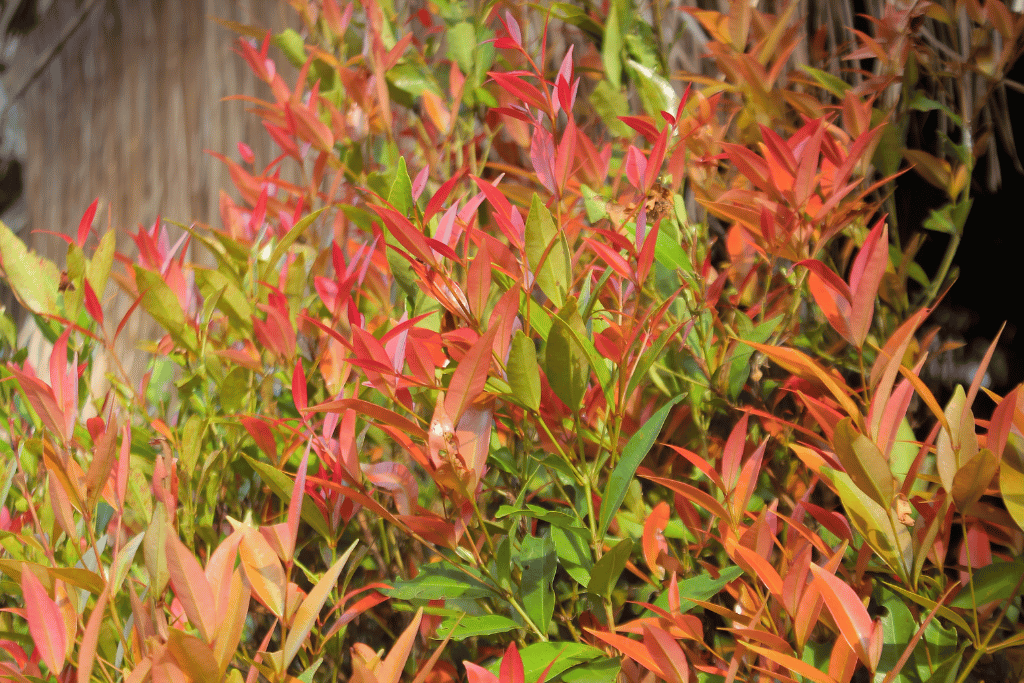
193, 655
632, 649
850, 615
390, 670
792, 663
45, 623
667, 653
232, 620
264, 571
87, 651
654, 539
309, 610
756, 565
802, 366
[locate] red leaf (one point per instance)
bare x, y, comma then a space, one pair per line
86, 222
511, 666
92, 303
470, 376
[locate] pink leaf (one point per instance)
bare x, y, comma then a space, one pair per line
191, 587
636, 167
865, 278
45, 623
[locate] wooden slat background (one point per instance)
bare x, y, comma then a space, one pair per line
124, 113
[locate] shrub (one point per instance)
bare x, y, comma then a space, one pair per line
473, 371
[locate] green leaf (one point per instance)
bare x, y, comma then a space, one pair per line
400, 194
898, 627
836, 86
281, 484
524, 371
233, 302
607, 570
996, 581
702, 587
598, 671
610, 103
547, 252
292, 45
462, 43
440, 581
282, 246
928, 604
1011, 478
611, 50
864, 463
539, 562
887, 537
160, 302
98, 269
561, 657
632, 455
573, 552
32, 277
657, 93
565, 360
503, 563
571, 14
485, 625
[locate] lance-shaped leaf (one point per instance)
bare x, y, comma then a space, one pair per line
390, 670
309, 610
606, 572
636, 450
1011, 478
264, 571
539, 562
511, 670
802, 366
888, 538
90, 639
45, 623
548, 253
654, 538
565, 360
470, 377
193, 655
863, 635
666, 652
190, 585
865, 277
973, 478
864, 462
958, 444
232, 620
524, 371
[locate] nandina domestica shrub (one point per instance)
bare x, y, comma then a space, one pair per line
498, 379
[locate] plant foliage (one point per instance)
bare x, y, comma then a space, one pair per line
519, 365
